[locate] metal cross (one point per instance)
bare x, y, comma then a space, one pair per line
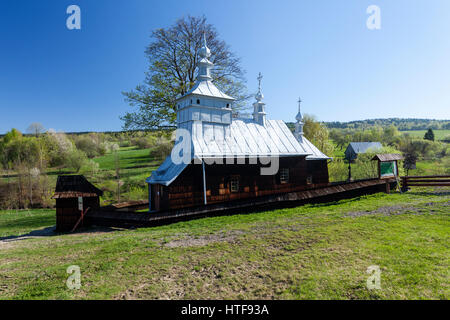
259, 79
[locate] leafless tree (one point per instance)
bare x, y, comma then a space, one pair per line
36, 128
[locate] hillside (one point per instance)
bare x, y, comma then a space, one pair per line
309, 252
402, 124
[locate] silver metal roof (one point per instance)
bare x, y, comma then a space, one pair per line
362, 147
166, 173
207, 88
316, 154
244, 139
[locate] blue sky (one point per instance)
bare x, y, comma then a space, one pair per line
71, 80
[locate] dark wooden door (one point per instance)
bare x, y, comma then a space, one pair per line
157, 197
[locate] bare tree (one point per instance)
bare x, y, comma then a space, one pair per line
36, 128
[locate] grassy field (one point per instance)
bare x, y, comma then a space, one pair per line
438, 134
135, 166
308, 252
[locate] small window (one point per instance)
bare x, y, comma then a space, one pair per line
228, 105
198, 101
284, 175
191, 101
234, 184
309, 180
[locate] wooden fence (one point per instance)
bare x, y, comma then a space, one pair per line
425, 181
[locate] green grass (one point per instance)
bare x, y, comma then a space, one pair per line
308, 252
135, 166
438, 134
19, 222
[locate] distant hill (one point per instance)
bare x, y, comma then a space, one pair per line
402, 124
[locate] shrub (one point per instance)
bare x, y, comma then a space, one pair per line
76, 159
124, 143
162, 148
90, 168
86, 144
144, 142
338, 170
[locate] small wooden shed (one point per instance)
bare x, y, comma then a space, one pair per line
70, 193
387, 165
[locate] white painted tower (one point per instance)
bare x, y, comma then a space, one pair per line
298, 133
259, 109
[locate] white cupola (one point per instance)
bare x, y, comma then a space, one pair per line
298, 133
205, 109
259, 112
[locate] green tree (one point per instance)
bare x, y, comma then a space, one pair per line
429, 135
76, 159
173, 58
317, 133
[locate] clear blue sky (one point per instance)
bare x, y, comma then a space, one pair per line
319, 50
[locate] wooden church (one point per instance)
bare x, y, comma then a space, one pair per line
218, 157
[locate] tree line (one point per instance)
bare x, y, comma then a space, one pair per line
402, 124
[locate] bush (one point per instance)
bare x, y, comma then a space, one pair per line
90, 168
338, 170
76, 160
144, 142
162, 148
87, 145
124, 143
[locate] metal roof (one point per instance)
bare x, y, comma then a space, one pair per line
207, 88
316, 154
362, 147
244, 139
166, 173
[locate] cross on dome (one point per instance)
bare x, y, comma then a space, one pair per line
259, 96
204, 51
299, 116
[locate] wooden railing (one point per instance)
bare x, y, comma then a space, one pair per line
425, 181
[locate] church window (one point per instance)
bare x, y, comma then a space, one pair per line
234, 184
198, 101
284, 175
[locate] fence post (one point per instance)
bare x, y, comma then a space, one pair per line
388, 186
404, 184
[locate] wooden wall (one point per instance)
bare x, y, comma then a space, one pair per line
67, 213
187, 189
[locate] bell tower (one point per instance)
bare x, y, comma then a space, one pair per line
298, 133
259, 107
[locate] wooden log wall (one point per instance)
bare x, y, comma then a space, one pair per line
187, 189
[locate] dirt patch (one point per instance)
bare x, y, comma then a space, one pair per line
192, 241
396, 210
